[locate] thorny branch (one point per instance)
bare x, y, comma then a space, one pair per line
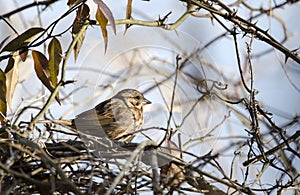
245, 24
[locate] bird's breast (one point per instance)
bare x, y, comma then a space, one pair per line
138, 117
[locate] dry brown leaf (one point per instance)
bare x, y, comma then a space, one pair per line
83, 13
172, 173
23, 55
107, 13
102, 20
2, 95
41, 67
22, 40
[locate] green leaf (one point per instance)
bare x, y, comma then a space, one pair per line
102, 20
12, 76
22, 40
41, 67
2, 95
83, 13
55, 57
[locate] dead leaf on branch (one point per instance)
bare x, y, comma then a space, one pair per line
23, 55
103, 23
41, 67
103, 16
2, 95
23, 40
83, 14
107, 13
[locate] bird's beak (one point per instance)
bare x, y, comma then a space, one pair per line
145, 101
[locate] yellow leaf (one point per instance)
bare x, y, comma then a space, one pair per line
22, 40
12, 76
78, 45
55, 56
103, 23
107, 13
2, 95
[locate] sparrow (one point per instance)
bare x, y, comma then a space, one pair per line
116, 118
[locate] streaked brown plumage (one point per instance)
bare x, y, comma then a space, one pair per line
115, 118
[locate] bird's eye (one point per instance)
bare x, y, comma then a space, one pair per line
137, 97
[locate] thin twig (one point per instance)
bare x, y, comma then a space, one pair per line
33, 4
273, 150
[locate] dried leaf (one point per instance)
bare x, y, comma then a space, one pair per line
22, 40
2, 95
41, 67
12, 75
172, 173
128, 12
71, 3
83, 13
107, 13
103, 23
23, 55
55, 57
78, 45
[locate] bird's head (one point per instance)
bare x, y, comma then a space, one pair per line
133, 98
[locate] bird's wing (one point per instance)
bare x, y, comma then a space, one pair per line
114, 117
99, 120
